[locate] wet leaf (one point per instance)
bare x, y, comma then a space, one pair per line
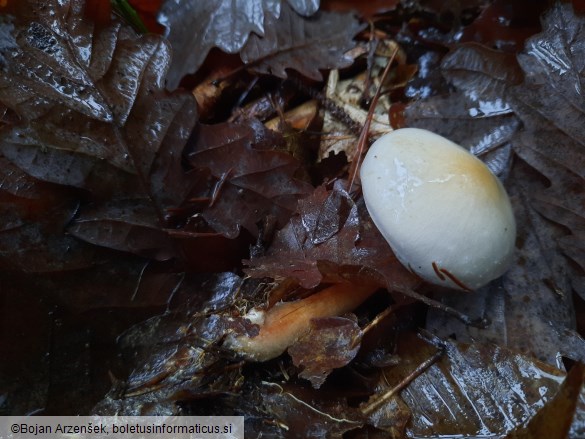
550, 104
347, 95
127, 225
305, 45
167, 352
252, 179
85, 97
554, 419
195, 27
308, 418
126, 145
331, 343
504, 26
473, 390
477, 115
331, 238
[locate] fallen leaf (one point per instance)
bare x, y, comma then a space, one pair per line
554, 419
472, 390
306, 415
477, 115
504, 26
550, 105
331, 238
330, 344
347, 95
83, 112
166, 349
306, 45
127, 225
252, 180
195, 27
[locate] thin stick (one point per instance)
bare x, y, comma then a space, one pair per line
361, 145
481, 322
374, 405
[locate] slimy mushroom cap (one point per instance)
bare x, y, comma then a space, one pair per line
445, 215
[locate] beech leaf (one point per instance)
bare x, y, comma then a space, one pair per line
94, 115
85, 97
127, 225
474, 390
477, 114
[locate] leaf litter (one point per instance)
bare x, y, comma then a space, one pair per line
103, 168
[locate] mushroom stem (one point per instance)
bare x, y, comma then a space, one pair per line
286, 322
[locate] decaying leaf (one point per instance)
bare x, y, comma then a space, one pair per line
309, 418
167, 351
252, 180
477, 115
87, 103
331, 238
554, 419
126, 225
347, 95
342, 127
549, 102
331, 343
504, 26
473, 390
306, 45
195, 27
94, 116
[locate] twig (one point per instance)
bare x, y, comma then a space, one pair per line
336, 111
361, 145
377, 402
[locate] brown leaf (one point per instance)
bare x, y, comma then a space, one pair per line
330, 344
302, 44
473, 390
307, 414
129, 225
504, 26
252, 180
94, 115
195, 27
477, 115
550, 104
331, 238
554, 419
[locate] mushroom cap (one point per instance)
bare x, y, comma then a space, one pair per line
445, 215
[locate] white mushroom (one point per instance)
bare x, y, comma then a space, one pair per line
445, 215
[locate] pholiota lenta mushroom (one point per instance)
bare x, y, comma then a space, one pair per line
445, 215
